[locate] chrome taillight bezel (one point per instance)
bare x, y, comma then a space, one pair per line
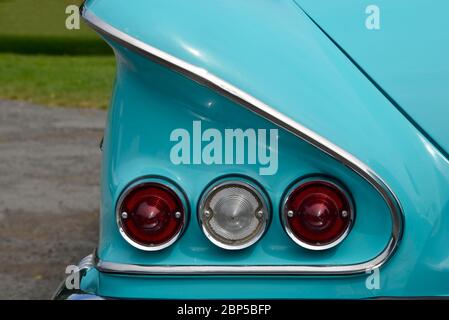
246, 184
284, 212
147, 181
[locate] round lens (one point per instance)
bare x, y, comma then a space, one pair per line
233, 214
317, 214
151, 216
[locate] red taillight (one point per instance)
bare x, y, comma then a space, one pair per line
317, 214
151, 216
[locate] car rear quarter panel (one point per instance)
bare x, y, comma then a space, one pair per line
274, 52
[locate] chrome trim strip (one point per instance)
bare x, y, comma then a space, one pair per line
87, 262
214, 270
253, 104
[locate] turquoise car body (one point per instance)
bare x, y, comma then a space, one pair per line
379, 95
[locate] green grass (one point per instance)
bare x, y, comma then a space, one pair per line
38, 18
77, 81
43, 62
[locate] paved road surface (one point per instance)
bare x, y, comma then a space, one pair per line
49, 194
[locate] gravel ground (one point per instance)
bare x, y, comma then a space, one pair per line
49, 194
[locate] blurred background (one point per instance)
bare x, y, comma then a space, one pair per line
55, 85
41, 61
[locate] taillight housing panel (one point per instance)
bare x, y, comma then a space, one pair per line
317, 213
138, 145
152, 214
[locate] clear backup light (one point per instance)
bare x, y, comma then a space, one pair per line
233, 214
151, 215
317, 214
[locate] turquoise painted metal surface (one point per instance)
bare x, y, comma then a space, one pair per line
407, 56
273, 51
